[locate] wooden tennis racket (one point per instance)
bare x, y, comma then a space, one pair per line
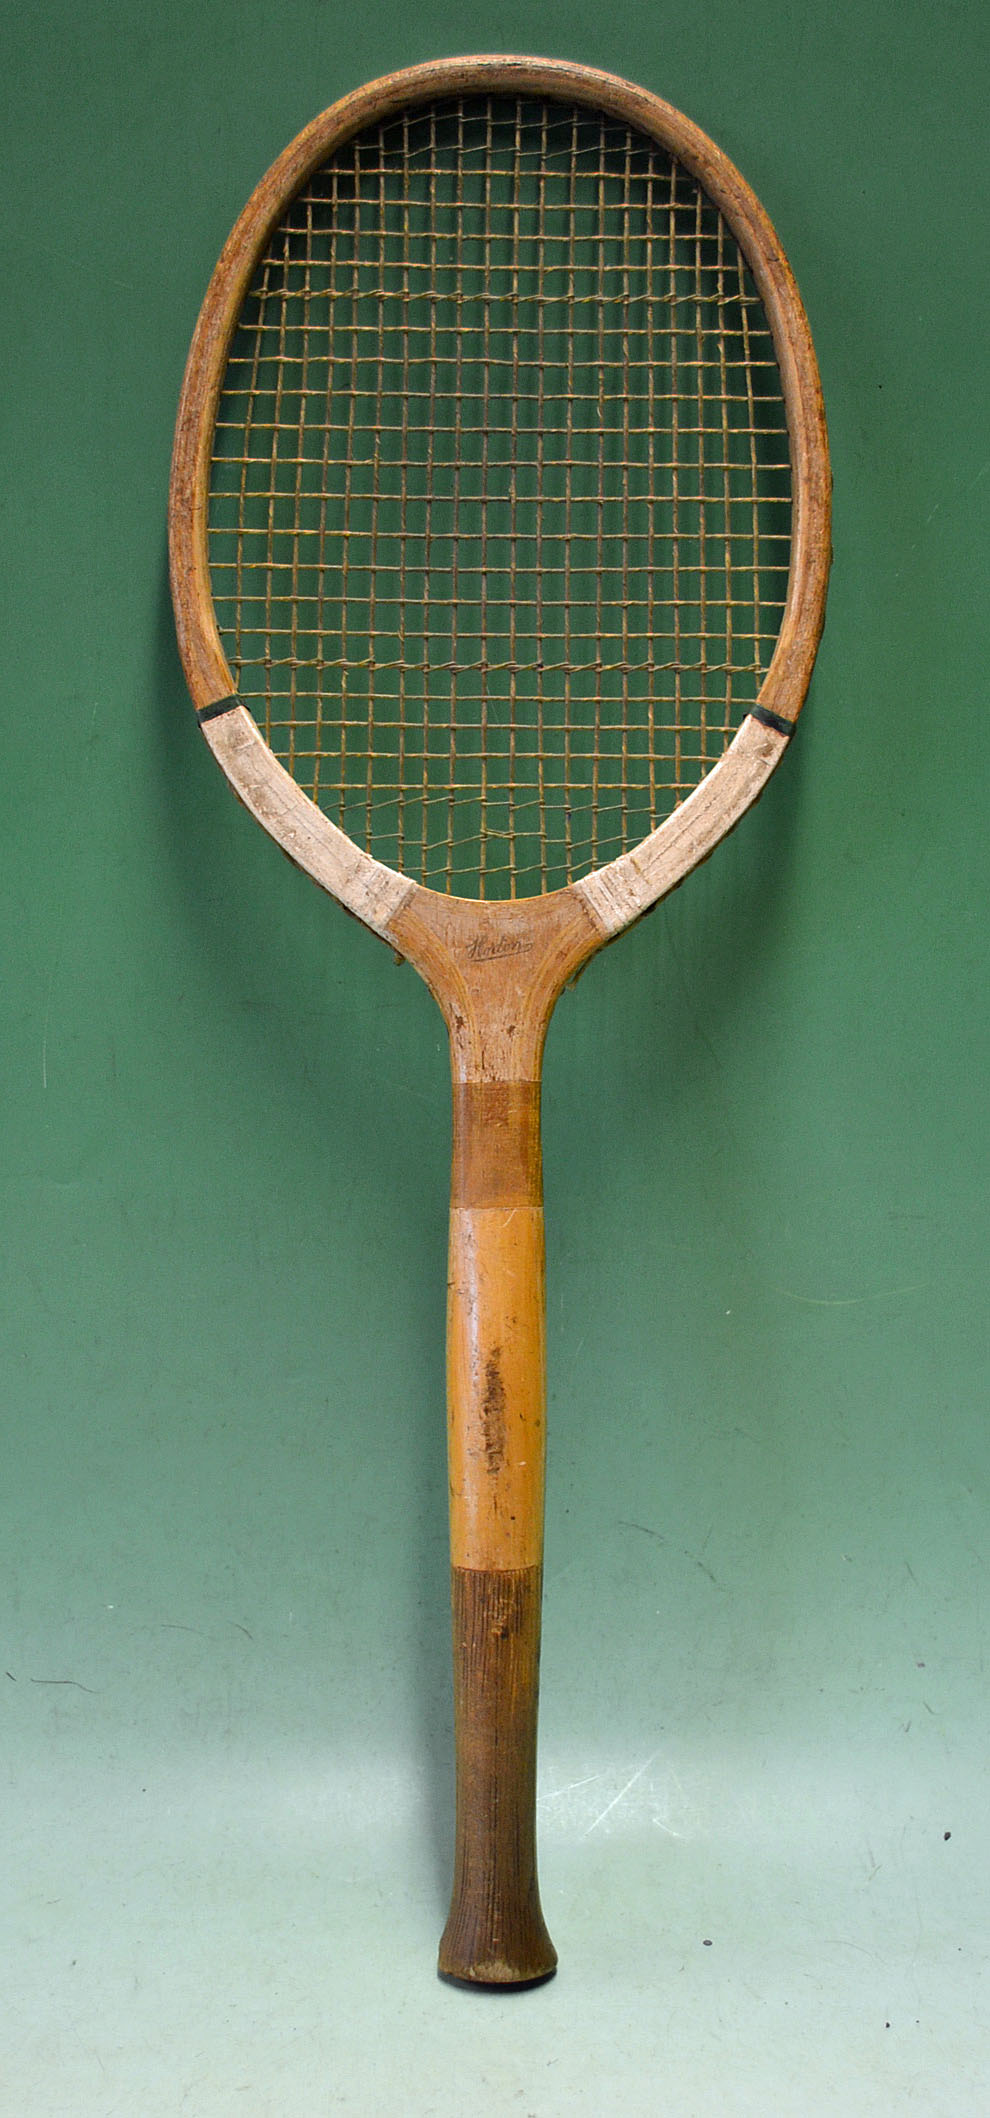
500, 535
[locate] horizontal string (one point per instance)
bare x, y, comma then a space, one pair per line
467, 658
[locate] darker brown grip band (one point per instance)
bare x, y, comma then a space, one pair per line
495, 1934
496, 1159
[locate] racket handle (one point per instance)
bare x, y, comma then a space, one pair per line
496, 1449
495, 1934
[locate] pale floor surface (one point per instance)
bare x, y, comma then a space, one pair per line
234, 1933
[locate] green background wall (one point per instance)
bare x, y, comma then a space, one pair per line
225, 1709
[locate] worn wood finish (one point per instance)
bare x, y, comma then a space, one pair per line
495, 1327
496, 971
496, 1934
639, 878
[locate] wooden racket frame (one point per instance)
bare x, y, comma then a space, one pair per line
496, 970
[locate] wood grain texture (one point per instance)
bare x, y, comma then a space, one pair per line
496, 1934
311, 840
496, 971
362, 883
496, 1154
618, 893
496, 1390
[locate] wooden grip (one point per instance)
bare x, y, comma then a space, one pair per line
495, 1934
496, 1444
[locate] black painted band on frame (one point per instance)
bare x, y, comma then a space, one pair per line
772, 720
212, 713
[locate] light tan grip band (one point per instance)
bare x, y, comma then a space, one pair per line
496, 1332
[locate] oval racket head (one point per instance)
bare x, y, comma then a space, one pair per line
499, 534
500, 492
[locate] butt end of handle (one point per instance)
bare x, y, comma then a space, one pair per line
471, 1955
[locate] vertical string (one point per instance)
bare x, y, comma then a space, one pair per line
243, 484
400, 769
376, 459
300, 439
541, 304
346, 530
723, 379
675, 473
511, 791
651, 506
624, 620
753, 471
600, 495
699, 338
427, 575
456, 480
322, 525
486, 355
569, 494
271, 562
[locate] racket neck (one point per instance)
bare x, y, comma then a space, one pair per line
496, 971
